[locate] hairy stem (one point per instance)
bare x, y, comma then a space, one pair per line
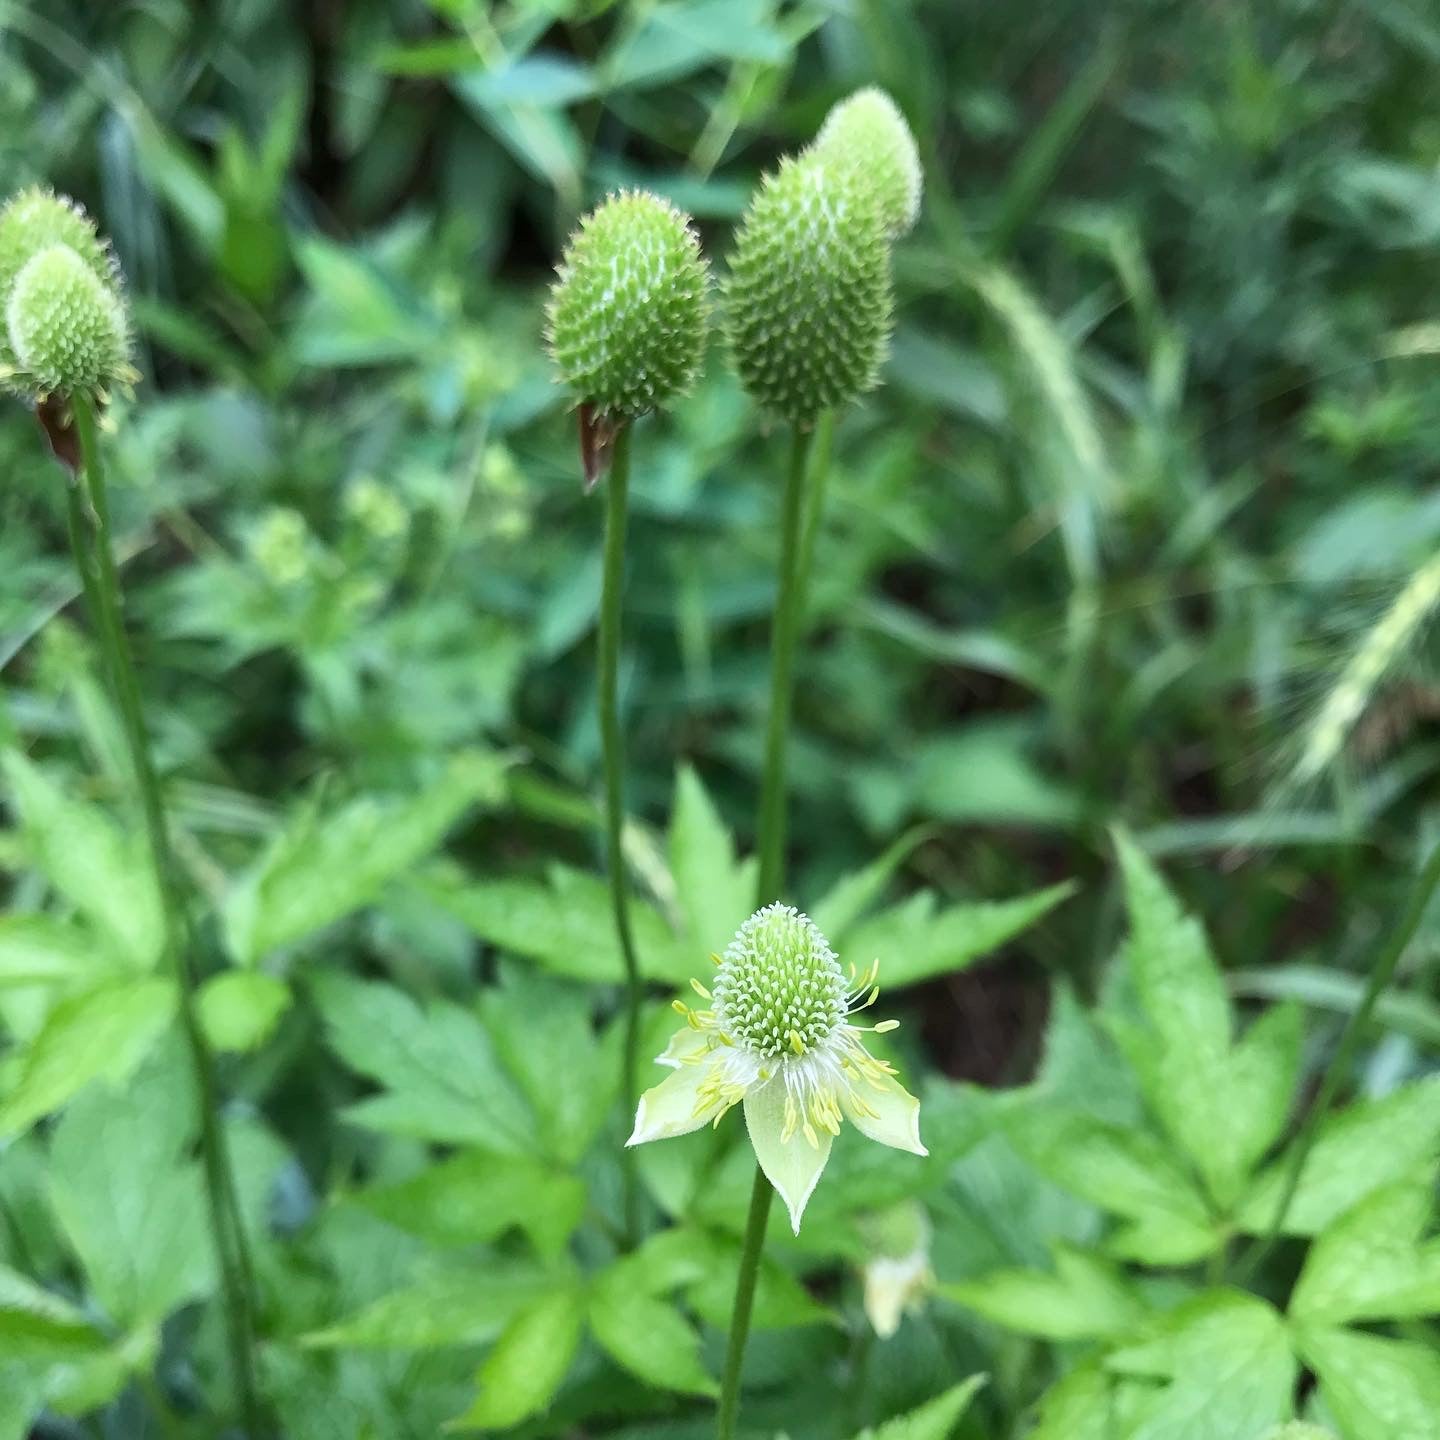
94, 557
788, 605
617, 484
761, 1193
1381, 973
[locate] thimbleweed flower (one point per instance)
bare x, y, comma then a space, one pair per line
777, 1036
868, 134
808, 299
627, 315
31, 221
67, 328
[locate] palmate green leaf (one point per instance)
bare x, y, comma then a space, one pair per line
914, 941
40, 950
1224, 1105
714, 888
543, 1032
1086, 1298
1223, 1108
852, 895
1370, 1264
935, 1420
460, 1305
105, 1031
99, 868
36, 1325
1093, 1404
1125, 1171
443, 1081
702, 1264
1179, 984
472, 1197
1376, 1389
566, 925
1367, 1145
1228, 1368
323, 867
129, 1202
647, 1336
521, 1374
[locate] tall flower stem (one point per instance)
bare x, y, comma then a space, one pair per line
617, 485
815, 488
788, 606
94, 557
1381, 974
789, 610
761, 1194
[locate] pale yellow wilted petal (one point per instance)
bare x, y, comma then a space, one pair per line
792, 1166
684, 1043
895, 1120
670, 1108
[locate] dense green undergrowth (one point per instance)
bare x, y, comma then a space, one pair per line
1113, 740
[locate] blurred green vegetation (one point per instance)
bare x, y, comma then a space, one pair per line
1155, 452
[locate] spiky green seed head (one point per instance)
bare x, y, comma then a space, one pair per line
779, 977
67, 327
627, 314
867, 133
808, 299
31, 221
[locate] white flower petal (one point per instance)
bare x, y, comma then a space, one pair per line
669, 1108
792, 1166
896, 1121
685, 1041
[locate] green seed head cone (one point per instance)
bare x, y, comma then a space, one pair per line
67, 327
31, 221
808, 300
627, 315
868, 134
778, 978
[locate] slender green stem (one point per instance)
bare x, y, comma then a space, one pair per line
771, 871
789, 607
1381, 973
91, 521
617, 484
84, 563
761, 1193
816, 486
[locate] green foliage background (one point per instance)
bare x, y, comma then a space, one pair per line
1155, 450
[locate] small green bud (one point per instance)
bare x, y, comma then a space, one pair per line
31, 221
868, 134
627, 315
808, 298
67, 327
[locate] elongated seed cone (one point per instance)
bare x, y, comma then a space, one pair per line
627, 314
67, 327
867, 134
808, 298
31, 221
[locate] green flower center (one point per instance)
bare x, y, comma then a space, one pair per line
780, 989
